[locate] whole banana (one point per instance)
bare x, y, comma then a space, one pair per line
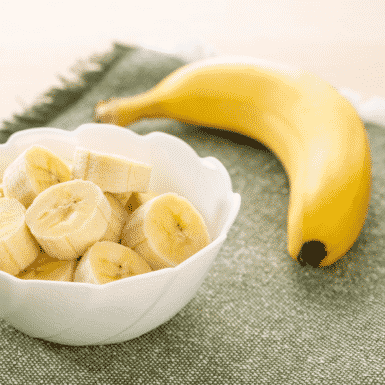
314, 131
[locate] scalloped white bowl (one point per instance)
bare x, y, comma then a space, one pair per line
85, 314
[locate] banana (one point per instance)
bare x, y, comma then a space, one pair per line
122, 197
18, 248
112, 173
138, 199
314, 131
115, 225
1, 191
106, 262
70, 166
33, 171
165, 231
68, 217
49, 269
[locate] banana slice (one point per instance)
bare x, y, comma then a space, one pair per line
2, 191
165, 231
106, 262
122, 197
112, 173
69, 217
115, 226
70, 166
18, 248
32, 172
49, 269
138, 199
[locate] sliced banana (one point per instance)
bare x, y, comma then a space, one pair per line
123, 197
69, 217
1, 191
49, 269
138, 199
165, 231
70, 166
18, 248
32, 172
112, 173
106, 262
115, 226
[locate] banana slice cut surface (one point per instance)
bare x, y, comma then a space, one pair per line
49, 269
115, 225
67, 218
122, 197
18, 249
165, 231
32, 172
112, 173
138, 199
107, 261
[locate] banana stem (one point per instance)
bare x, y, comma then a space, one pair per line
123, 111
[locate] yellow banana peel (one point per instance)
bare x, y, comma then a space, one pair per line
314, 131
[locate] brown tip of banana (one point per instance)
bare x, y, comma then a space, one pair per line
312, 253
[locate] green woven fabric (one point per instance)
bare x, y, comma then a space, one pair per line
259, 317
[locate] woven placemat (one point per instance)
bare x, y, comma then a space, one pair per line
259, 317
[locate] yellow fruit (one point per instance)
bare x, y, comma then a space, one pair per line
314, 131
165, 231
49, 269
138, 199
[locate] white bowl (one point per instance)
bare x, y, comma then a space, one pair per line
85, 314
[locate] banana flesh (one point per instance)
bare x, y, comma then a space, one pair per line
107, 261
122, 197
33, 171
49, 269
138, 199
314, 131
165, 231
67, 218
18, 248
115, 225
111, 173
72, 229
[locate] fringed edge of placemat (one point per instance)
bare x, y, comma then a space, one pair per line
57, 99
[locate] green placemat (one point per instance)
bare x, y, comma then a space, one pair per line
259, 317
